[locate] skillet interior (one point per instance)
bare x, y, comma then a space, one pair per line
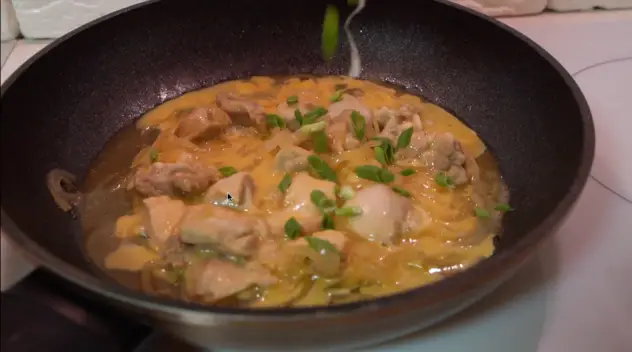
60, 111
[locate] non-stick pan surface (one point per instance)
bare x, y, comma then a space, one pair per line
61, 107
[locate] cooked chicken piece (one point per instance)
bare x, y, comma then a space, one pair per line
202, 123
172, 179
350, 103
243, 112
336, 238
445, 154
385, 214
291, 159
217, 279
240, 186
164, 216
231, 231
287, 112
338, 131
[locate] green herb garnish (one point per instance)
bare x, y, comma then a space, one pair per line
320, 200
274, 120
291, 100
337, 96
443, 180
481, 213
401, 191
227, 171
329, 38
321, 144
292, 228
285, 183
348, 211
312, 127
321, 246
153, 155
407, 172
313, 115
358, 123
380, 156
374, 173
346, 192
328, 222
387, 153
298, 116
503, 207
404, 138
321, 169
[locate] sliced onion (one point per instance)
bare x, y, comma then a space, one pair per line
56, 180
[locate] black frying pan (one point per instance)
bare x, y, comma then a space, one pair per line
60, 108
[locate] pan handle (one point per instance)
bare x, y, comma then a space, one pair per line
43, 312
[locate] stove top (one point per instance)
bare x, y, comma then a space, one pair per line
576, 294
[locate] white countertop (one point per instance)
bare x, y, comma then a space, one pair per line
576, 296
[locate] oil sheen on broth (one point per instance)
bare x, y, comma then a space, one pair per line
298, 191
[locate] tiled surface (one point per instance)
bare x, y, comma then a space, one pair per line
576, 295
6, 48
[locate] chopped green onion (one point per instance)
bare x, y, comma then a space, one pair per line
358, 123
348, 211
387, 151
320, 168
321, 144
346, 192
481, 213
404, 138
298, 116
329, 38
503, 207
205, 253
291, 100
153, 155
227, 171
320, 200
380, 156
374, 173
285, 183
401, 191
312, 127
407, 172
443, 180
319, 245
292, 228
274, 120
328, 222
313, 115
337, 96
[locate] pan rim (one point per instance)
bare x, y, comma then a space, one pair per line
458, 285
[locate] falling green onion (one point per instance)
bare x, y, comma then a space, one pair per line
321, 169
292, 228
401, 191
337, 96
348, 211
291, 100
321, 246
503, 207
274, 120
443, 180
227, 171
321, 144
481, 213
153, 155
407, 172
404, 138
285, 183
329, 38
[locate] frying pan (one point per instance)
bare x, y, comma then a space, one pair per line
60, 108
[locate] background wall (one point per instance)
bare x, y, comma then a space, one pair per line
53, 18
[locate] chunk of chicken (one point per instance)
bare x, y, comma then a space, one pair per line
243, 112
217, 279
240, 186
385, 214
231, 231
300, 206
172, 179
287, 112
445, 154
164, 216
202, 123
350, 103
336, 238
339, 133
291, 159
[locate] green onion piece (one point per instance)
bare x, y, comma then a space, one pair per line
386, 176
358, 123
312, 127
337, 96
503, 207
407, 172
404, 138
320, 168
274, 120
321, 144
329, 38
401, 191
481, 213
227, 171
153, 155
319, 245
328, 222
292, 228
380, 156
387, 149
291, 100
374, 173
298, 116
285, 183
346, 192
320, 200
443, 180
313, 115
348, 211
